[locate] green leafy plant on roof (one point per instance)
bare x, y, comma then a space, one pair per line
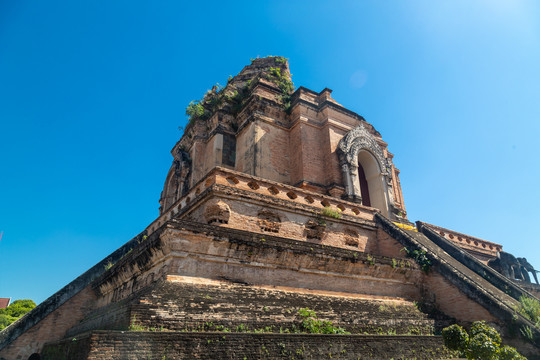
328, 211
283, 82
205, 108
235, 96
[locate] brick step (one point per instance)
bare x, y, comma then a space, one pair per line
179, 306
130, 345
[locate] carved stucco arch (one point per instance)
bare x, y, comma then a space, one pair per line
177, 180
358, 139
349, 147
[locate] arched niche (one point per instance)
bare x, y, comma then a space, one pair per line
177, 181
170, 190
359, 147
376, 184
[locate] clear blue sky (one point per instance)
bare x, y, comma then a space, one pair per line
92, 94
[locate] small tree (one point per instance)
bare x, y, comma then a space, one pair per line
483, 343
14, 311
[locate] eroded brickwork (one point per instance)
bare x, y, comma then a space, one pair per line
173, 346
53, 327
201, 305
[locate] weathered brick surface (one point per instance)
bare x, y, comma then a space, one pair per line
296, 148
181, 305
481, 299
109, 345
292, 222
53, 326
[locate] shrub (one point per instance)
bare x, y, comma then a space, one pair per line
310, 324
194, 109
482, 347
14, 311
483, 343
455, 337
480, 327
509, 353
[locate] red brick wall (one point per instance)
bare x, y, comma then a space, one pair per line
52, 327
172, 346
437, 290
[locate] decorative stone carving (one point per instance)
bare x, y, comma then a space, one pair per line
217, 212
526, 267
512, 267
177, 183
506, 264
357, 139
269, 221
182, 169
351, 238
348, 149
315, 229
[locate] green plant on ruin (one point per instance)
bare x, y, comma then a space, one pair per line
204, 109
527, 333
283, 82
529, 308
312, 325
136, 326
216, 97
328, 211
235, 98
420, 257
481, 343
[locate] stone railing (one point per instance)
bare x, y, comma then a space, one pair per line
467, 242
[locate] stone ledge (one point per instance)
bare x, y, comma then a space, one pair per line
486, 272
241, 182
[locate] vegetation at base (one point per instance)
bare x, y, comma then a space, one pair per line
309, 324
420, 257
328, 211
14, 311
481, 343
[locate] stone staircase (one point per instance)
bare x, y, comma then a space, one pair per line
225, 320
181, 306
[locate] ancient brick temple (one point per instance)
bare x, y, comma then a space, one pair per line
277, 201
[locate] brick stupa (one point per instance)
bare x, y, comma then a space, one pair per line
279, 203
